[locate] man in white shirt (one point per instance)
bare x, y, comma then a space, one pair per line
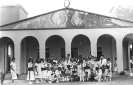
102, 63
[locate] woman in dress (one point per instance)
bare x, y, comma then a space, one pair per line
13, 69
30, 75
131, 66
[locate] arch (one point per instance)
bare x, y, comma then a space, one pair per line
106, 45
5, 53
127, 50
55, 47
106, 35
80, 45
29, 48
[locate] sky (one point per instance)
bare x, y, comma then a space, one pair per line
37, 7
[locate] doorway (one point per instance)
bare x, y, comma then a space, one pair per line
74, 52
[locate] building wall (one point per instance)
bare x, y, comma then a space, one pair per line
68, 35
22, 13
9, 14
2, 56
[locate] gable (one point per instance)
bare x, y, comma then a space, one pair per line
70, 18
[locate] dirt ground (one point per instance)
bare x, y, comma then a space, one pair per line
116, 80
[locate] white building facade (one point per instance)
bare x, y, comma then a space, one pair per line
66, 31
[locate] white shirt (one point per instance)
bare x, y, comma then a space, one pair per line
103, 62
13, 64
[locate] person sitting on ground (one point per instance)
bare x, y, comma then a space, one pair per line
86, 77
98, 74
68, 73
74, 76
58, 74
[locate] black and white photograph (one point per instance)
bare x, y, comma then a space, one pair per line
66, 42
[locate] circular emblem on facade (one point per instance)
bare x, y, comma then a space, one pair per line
59, 18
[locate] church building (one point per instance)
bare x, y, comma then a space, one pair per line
64, 31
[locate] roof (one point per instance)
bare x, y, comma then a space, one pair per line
68, 18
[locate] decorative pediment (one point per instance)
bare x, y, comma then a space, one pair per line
68, 18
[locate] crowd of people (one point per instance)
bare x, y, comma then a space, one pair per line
70, 69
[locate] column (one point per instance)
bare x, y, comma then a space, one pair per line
113, 53
17, 56
68, 47
42, 48
93, 47
119, 50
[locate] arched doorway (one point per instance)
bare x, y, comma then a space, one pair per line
55, 47
127, 50
6, 53
106, 45
29, 48
80, 46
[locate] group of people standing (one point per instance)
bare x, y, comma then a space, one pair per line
70, 69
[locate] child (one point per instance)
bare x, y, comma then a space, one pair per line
44, 70
74, 76
98, 74
63, 74
108, 70
80, 71
49, 73
38, 71
30, 75
68, 73
115, 65
87, 68
86, 77
82, 75
109, 76
74, 64
53, 76
58, 74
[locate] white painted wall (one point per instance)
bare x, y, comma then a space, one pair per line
68, 35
